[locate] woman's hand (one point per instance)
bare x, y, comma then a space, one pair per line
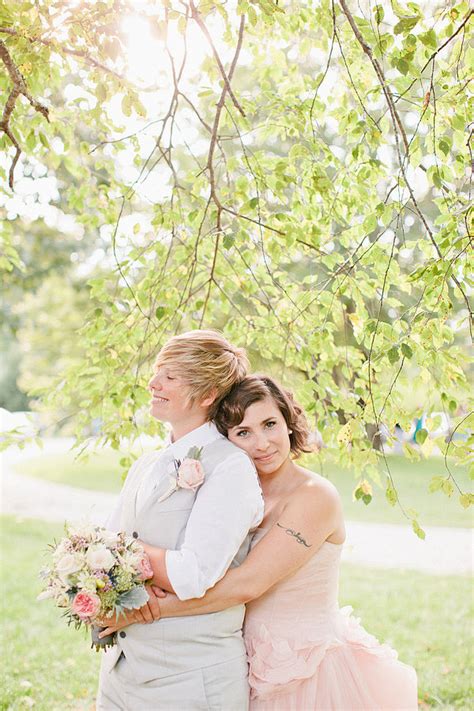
146, 614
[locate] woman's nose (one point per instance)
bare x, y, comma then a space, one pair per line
154, 383
261, 443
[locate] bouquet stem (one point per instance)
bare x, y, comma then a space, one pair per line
101, 643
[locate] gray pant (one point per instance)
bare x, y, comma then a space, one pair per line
220, 687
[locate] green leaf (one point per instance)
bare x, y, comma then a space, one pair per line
435, 484
31, 140
403, 66
406, 350
126, 105
405, 25
133, 599
447, 487
429, 39
363, 492
228, 241
391, 495
418, 530
393, 355
444, 146
101, 91
194, 453
252, 15
458, 122
421, 436
370, 222
379, 13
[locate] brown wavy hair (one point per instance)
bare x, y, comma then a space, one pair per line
254, 388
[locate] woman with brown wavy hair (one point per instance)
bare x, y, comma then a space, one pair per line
304, 652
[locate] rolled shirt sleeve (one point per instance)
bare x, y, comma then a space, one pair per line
227, 506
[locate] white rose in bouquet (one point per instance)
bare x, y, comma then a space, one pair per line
62, 600
68, 564
45, 594
62, 548
99, 557
109, 538
131, 560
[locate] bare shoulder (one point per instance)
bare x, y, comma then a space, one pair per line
314, 507
316, 493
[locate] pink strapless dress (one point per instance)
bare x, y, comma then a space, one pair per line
306, 654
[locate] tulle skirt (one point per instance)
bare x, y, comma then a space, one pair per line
342, 668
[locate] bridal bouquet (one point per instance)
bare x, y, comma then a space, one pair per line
96, 574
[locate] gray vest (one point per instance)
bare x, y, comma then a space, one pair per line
178, 644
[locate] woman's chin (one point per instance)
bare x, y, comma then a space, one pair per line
268, 467
157, 412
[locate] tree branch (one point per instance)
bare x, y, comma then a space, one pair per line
220, 106
438, 50
197, 17
19, 89
399, 129
378, 70
60, 48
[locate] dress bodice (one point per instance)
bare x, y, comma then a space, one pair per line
308, 597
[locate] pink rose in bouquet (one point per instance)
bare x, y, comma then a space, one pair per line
146, 571
190, 474
86, 605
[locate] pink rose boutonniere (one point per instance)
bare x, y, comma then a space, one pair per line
188, 473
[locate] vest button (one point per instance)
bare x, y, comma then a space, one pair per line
135, 534
123, 634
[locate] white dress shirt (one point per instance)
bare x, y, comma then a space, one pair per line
228, 504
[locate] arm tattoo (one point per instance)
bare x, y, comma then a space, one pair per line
297, 536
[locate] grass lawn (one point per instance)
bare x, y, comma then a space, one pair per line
102, 472
48, 666
411, 480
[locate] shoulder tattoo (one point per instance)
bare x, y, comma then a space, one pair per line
297, 536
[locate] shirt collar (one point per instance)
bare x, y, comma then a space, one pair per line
199, 437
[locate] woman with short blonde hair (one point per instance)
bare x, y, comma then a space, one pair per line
207, 362
180, 501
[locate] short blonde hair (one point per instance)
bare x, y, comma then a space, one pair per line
207, 362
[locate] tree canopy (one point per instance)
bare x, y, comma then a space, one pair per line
296, 174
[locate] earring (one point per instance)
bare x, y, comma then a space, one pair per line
290, 431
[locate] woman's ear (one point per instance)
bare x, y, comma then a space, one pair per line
209, 400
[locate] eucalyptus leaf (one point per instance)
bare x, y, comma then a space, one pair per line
133, 599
